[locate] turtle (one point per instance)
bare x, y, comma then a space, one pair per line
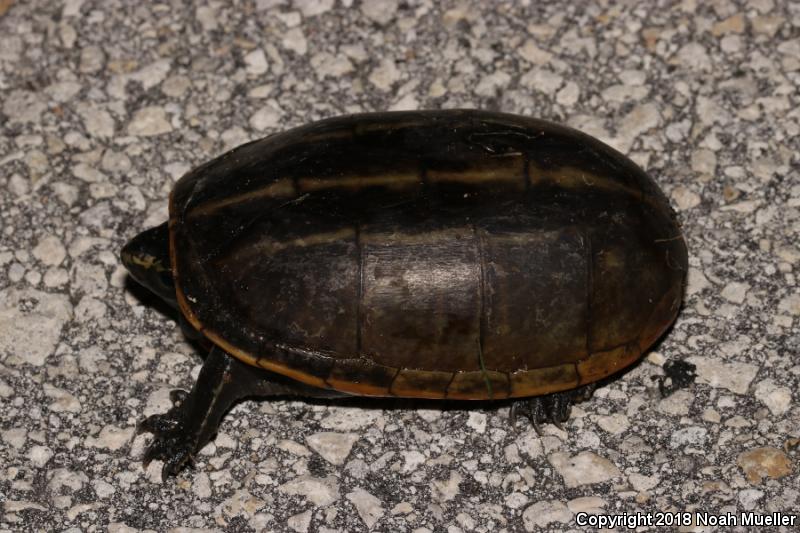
449, 254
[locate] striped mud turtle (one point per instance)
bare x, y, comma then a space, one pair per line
462, 255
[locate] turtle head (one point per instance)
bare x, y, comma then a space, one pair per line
146, 257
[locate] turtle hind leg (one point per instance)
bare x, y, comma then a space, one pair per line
551, 408
181, 432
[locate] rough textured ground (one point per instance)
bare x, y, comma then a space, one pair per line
105, 104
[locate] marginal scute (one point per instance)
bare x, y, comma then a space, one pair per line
601, 364
420, 383
536, 381
488, 385
361, 377
663, 314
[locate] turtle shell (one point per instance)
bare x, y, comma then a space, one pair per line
442, 254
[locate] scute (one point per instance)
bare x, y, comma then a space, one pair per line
446, 254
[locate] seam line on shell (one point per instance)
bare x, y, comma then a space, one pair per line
391, 383
359, 288
481, 306
589, 291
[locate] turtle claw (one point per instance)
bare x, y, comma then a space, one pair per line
178, 396
552, 408
172, 443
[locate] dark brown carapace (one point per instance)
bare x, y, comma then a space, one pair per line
442, 254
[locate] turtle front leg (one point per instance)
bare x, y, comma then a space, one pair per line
553, 408
181, 432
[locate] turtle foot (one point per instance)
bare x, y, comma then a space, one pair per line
174, 443
551, 408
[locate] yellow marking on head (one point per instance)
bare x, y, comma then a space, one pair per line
145, 261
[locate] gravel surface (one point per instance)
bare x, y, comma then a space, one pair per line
106, 103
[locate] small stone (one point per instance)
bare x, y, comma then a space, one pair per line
569, 94
23, 106
265, 118
541, 514
516, 500
407, 103
732, 24
39, 455
241, 503
694, 56
412, 460
92, 59
642, 483
587, 504
207, 17
351, 418
202, 485
640, 119
533, 54
768, 24
385, 75
542, 80
64, 401
149, 121
402, 508
330, 66
696, 281
790, 304
256, 62
692, 436
777, 399
614, 424
103, 489
295, 41
368, 506
766, 462
312, 8
380, 11
300, 522
677, 403
735, 292
586, 468
685, 198
88, 173
749, 498
50, 251
111, 438
704, 161
319, 491
176, 85
333, 447
32, 319
443, 490
735, 377
62, 478
477, 421
98, 122
15, 437
295, 448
